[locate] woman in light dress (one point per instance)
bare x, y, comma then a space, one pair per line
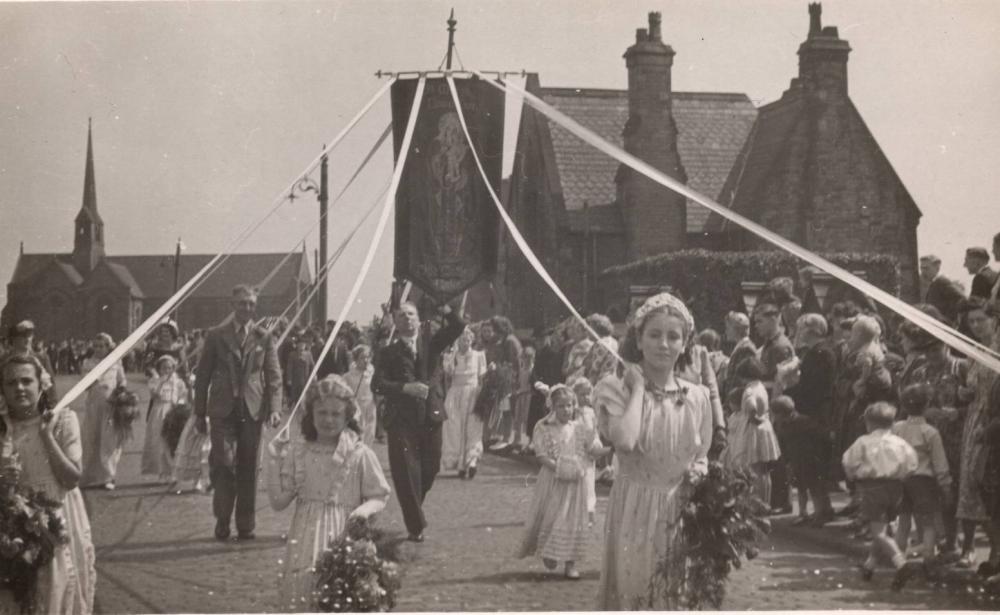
331, 475
359, 378
46, 446
166, 390
101, 446
462, 437
661, 428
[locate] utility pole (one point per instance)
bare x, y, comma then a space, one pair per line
177, 275
323, 202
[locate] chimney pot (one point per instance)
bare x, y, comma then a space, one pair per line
831, 31
654, 27
815, 19
640, 35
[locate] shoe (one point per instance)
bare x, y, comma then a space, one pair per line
246, 535
866, 573
986, 569
801, 521
499, 446
968, 560
821, 520
903, 575
949, 556
572, 573
109, 486
550, 563
848, 510
461, 474
416, 537
221, 530
472, 472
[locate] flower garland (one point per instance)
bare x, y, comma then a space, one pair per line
31, 528
357, 573
124, 412
721, 524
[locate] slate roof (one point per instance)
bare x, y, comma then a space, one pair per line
712, 129
153, 275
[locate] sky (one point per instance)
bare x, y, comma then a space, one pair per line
205, 113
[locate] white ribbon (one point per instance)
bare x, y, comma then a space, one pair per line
945, 334
390, 199
516, 234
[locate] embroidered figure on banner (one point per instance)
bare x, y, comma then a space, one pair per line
452, 213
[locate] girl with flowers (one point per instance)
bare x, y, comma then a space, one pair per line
43, 449
102, 447
166, 391
556, 528
661, 429
331, 475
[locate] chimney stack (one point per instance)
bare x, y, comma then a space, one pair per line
823, 58
656, 218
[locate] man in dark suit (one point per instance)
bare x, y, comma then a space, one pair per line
409, 375
977, 263
944, 294
238, 386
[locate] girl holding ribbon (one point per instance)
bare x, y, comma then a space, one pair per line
331, 475
661, 429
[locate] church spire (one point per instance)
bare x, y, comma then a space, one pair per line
88, 236
89, 187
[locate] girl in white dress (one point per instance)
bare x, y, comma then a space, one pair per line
462, 437
661, 429
166, 390
359, 378
584, 399
556, 529
101, 447
753, 444
46, 445
331, 475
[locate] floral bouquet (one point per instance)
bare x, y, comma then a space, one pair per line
173, 426
357, 572
124, 412
497, 384
721, 523
31, 528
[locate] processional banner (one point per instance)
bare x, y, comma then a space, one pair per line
447, 229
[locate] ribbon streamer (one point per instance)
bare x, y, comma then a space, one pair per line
940, 331
390, 199
516, 234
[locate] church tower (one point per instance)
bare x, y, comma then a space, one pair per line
88, 236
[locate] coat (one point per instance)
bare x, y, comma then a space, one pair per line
396, 366
227, 372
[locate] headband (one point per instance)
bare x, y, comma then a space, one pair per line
663, 300
335, 386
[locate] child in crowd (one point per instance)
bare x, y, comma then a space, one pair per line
359, 378
879, 462
166, 391
874, 381
752, 443
584, 392
300, 365
331, 476
556, 526
522, 399
806, 446
928, 490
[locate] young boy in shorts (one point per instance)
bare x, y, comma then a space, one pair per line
879, 462
926, 491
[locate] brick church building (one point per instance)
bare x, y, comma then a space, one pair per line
86, 291
805, 166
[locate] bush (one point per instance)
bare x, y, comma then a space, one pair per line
709, 282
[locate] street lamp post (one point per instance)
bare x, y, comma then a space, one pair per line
751, 291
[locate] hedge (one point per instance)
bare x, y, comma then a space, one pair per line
710, 281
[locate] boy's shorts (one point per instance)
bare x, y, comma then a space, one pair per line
880, 498
921, 495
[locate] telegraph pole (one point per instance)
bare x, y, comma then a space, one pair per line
323, 202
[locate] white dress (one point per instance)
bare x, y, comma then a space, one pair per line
164, 393
361, 383
649, 491
462, 433
329, 484
67, 584
101, 449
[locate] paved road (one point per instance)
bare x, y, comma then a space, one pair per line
156, 554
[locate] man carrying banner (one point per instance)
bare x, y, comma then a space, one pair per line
408, 373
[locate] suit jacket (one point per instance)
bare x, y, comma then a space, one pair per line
982, 283
945, 295
397, 366
227, 372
